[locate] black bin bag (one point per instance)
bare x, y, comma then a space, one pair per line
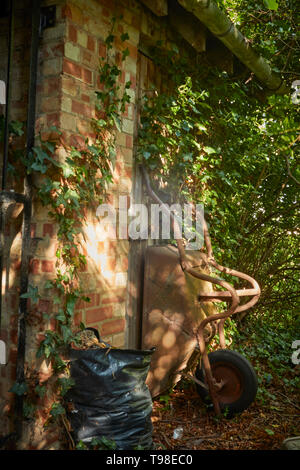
110, 398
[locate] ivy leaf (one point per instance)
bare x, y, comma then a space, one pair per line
32, 294
271, 4
41, 390
146, 155
209, 150
65, 383
57, 409
124, 37
19, 388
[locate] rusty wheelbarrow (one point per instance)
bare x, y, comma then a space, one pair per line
179, 317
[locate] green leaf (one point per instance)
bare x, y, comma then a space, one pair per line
19, 388
124, 37
209, 150
32, 294
271, 4
269, 431
57, 409
146, 155
41, 390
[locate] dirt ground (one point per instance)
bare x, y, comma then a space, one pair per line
263, 426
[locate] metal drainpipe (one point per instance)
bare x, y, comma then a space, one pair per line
6, 136
26, 237
220, 25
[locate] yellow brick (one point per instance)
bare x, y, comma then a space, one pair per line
72, 52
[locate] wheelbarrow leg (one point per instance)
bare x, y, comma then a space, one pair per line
211, 383
221, 333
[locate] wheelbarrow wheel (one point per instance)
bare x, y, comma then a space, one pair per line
239, 378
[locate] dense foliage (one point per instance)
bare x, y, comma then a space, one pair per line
222, 140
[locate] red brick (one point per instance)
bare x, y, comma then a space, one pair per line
129, 141
81, 108
105, 12
16, 265
52, 85
77, 318
113, 300
72, 33
66, 12
7, 230
13, 300
12, 356
86, 75
40, 337
3, 334
122, 78
34, 266
86, 57
57, 50
48, 229
53, 119
77, 141
14, 336
95, 315
13, 373
132, 51
128, 172
111, 263
133, 81
102, 50
72, 69
112, 327
101, 247
95, 300
45, 305
85, 98
47, 266
91, 43
32, 230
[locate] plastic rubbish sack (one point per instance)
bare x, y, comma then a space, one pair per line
110, 398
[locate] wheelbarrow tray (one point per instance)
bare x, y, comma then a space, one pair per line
172, 313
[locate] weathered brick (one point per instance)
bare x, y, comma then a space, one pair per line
72, 51
53, 119
121, 279
48, 229
72, 69
33, 230
97, 314
85, 97
52, 66
82, 38
129, 141
68, 122
112, 327
66, 103
34, 266
87, 75
72, 33
44, 305
102, 49
127, 126
91, 43
81, 108
47, 266
70, 85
